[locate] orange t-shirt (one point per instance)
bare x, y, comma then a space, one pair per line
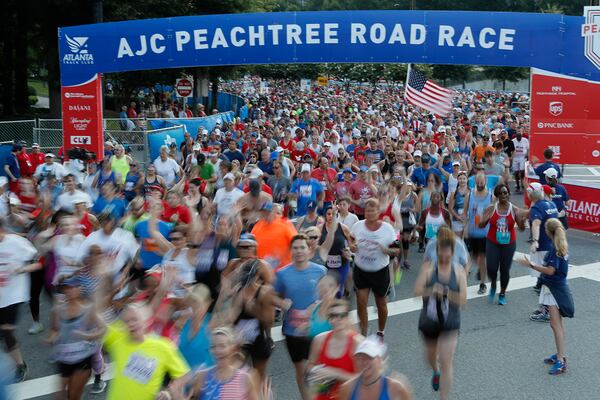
480, 149
274, 240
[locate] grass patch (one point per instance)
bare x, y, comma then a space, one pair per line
40, 87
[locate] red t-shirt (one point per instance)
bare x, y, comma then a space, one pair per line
36, 159
360, 190
182, 211
25, 166
290, 146
319, 175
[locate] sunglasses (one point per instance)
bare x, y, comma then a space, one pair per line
245, 247
337, 315
313, 237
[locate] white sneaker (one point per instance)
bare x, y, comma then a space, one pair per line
36, 328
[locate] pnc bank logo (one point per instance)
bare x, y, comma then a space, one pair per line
78, 51
555, 108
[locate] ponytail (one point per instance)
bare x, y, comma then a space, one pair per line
556, 230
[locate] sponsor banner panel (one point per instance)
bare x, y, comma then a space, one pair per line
565, 116
82, 116
583, 210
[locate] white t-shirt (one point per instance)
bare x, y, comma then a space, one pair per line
15, 252
44, 170
167, 169
120, 245
369, 256
521, 148
65, 200
226, 200
67, 254
349, 220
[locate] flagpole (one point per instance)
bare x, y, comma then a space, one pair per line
406, 86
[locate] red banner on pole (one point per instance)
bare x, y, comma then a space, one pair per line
583, 210
82, 117
565, 116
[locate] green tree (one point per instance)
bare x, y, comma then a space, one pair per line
455, 73
504, 74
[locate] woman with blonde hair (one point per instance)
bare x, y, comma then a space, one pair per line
555, 293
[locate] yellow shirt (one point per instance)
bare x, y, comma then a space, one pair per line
120, 166
140, 368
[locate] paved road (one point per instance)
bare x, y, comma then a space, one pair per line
499, 353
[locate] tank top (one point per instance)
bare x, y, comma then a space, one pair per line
148, 184
426, 199
247, 326
502, 227
70, 349
233, 389
186, 272
85, 224
432, 224
334, 258
102, 179
406, 205
383, 395
121, 166
440, 314
130, 181
477, 206
316, 324
307, 224
459, 203
196, 349
345, 363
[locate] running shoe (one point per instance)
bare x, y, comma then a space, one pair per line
381, 336
501, 299
397, 276
551, 360
98, 387
558, 367
539, 316
36, 328
406, 265
492, 295
20, 373
421, 249
482, 288
435, 381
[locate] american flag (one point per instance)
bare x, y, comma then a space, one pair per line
426, 94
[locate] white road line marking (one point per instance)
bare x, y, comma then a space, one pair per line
50, 384
594, 171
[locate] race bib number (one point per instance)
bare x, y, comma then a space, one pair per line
334, 261
502, 232
140, 368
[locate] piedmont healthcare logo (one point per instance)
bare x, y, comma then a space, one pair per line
79, 53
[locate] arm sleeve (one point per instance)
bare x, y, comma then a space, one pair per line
176, 365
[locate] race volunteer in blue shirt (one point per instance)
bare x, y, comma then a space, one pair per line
541, 169
420, 174
297, 283
541, 210
306, 189
560, 197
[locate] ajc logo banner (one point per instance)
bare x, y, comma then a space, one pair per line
543, 41
164, 137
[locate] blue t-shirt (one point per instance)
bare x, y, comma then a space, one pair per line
377, 155
300, 286
13, 165
234, 155
307, 191
419, 175
149, 250
559, 197
540, 169
350, 148
449, 169
560, 264
267, 168
116, 207
543, 210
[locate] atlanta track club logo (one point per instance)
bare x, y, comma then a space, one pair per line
78, 51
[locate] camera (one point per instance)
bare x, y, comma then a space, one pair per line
79, 153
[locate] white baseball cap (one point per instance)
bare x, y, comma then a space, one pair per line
551, 173
256, 173
417, 153
535, 187
372, 347
305, 168
229, 175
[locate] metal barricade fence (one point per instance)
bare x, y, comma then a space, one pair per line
17, 130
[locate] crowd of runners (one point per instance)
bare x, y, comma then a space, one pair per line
176, 271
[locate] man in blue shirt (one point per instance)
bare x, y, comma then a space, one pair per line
232, 153
560, 197
108, 203
540, 169
150, 253
306, 189
297, 283
420, 174
11, 169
